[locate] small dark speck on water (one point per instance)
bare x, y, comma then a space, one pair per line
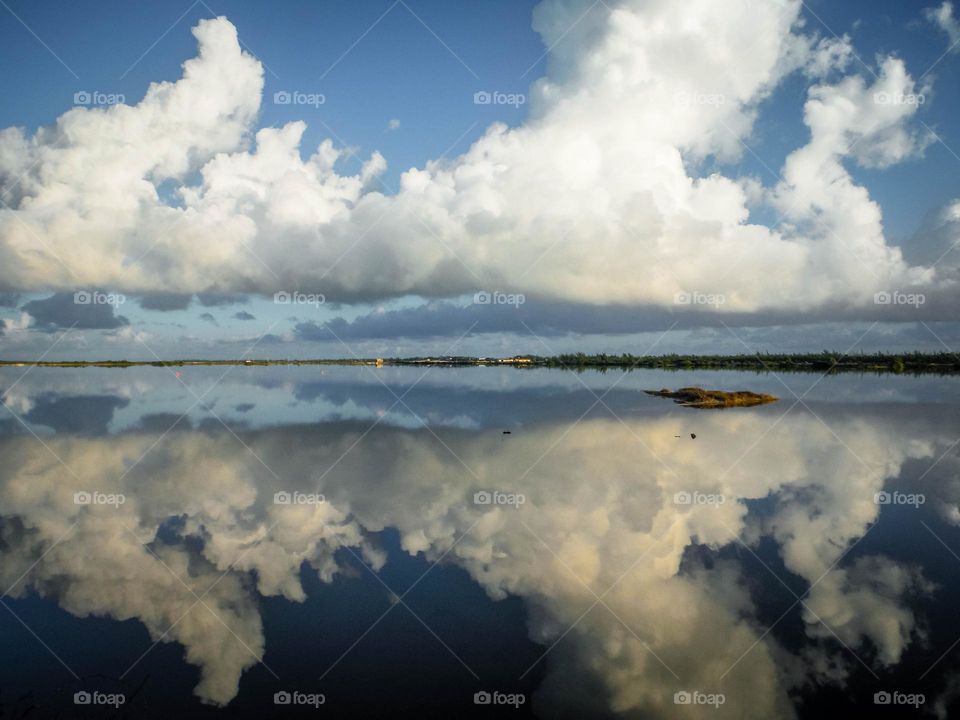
506, 432
693, 436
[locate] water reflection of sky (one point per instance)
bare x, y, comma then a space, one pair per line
95, 401
752, 561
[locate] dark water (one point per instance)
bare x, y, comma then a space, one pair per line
373, 544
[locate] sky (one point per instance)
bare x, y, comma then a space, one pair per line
409, 177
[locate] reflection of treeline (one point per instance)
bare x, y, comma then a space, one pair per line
943, 363
177, 363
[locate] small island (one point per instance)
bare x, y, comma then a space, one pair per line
699, 398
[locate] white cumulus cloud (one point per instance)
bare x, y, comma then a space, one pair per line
596, 198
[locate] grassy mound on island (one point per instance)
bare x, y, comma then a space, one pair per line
699, 398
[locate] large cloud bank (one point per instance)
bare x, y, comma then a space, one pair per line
597, 198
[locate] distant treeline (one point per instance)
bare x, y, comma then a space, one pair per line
944, 363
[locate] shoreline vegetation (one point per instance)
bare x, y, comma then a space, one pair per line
916, 363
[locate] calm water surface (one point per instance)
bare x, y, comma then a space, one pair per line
208, 542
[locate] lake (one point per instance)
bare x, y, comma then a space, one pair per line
484, 541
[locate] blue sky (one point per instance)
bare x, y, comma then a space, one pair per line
397, 69
399, 78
